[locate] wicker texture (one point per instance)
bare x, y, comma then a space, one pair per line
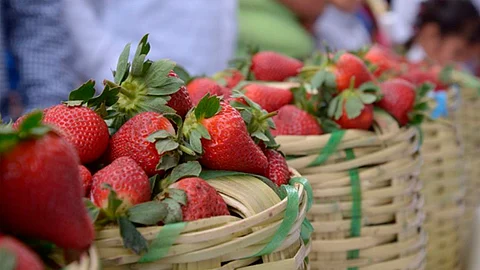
388, 162
225, 242
444, 188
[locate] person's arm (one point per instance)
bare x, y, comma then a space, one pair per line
346, 5
41, 46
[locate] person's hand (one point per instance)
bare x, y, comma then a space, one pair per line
346, 5
306, 10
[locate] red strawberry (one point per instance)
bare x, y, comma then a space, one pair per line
419, 77
269, 98
227, 133
347, 67
384, 59
82, 127
126, 178
24, 257
199, 87
40, 188
290, 120
86, 179
277, 170
363, 121
229, 78
180, 101
203, 201
272, 66
131, 140
398, 99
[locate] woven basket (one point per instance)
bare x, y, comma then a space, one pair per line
226, 242
88, 261
444, 188
389, 219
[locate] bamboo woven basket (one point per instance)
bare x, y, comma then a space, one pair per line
88, 261
444, 186
469, 125
386, 230
226, 242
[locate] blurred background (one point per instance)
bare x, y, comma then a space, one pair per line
51, 46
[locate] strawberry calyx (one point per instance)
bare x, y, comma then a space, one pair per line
244, 64
353, 100
193, 130
30, 128
259, 122
142, 85
419, 111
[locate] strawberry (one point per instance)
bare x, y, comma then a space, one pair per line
199, 87
82, 127
132, 140
352, 108
229, 78
23, 257
273, 66
290, 120
382, 58
419, 77
126, 178
216, 130
19, 121
203, 201
269, 98
86, 180
363, 121
277, 169
398, 99
180, 101
40, 184
347, 67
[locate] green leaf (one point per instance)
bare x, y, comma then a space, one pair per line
260, 135
157, 74
182, 73
84, 92
93, 210
138, 60
191, 168
369, 87
8, 141
421, 106
333, 106
367, 98
122, 65
423, 90
203, 132
165, 145
318, 79
32, 121
175, 118
132, 239
149, 213
159, 134
178, 195
195, 141
168, 161
207, 107
113, 201
108, 97
328, 125
174, 211
353, 107
153, 182
8, 259
330, 81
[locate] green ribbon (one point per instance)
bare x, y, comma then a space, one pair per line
331, 147
420, 135
356, 220
307, 228
161, 244
291, 213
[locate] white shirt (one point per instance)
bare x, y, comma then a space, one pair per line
200, 35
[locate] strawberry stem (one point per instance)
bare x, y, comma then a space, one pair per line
187, 150
268, 115
122, 90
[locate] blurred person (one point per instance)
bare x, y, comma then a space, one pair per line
443, 31
340, 28
278, 25
34, 34
199, 35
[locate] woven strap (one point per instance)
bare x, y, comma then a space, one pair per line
356, 219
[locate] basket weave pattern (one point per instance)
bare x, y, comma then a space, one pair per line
226, 242
388, 162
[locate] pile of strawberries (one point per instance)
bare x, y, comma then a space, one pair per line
133, 155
